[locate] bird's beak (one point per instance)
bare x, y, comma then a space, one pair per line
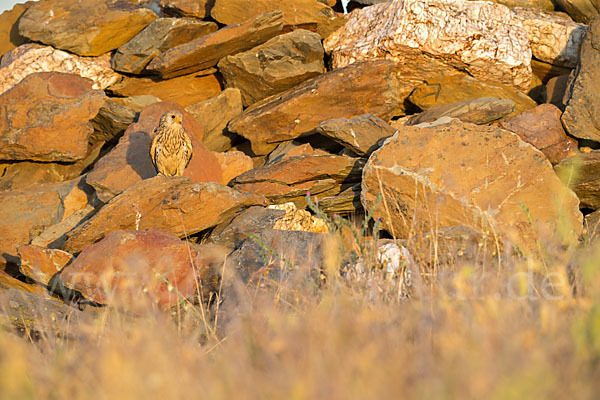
180, 120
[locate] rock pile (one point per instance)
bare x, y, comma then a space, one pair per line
432, 115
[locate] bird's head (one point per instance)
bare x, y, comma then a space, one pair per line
171, 118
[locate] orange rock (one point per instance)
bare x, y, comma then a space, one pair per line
9, 33
233, 163
129, 162
41, 264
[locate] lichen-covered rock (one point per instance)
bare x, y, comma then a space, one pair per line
437, 175
30, 58
480, 37
86, 28
277, 65
582, 113
554, 38
161, 35
46, 117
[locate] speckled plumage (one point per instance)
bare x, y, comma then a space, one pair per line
171, 149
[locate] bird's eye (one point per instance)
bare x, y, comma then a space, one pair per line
172, 117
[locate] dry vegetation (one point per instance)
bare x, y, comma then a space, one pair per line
468, 330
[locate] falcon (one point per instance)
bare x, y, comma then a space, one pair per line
171, 149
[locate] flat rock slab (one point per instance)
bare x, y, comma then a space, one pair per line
482, 177
233, 163
583, 11
454, 88
52, 124
173, 203
186, 8
554, 38
306, 14
214, 114
30, 58
9, 34
277, 65
161, 35
86, 28
582, 114
541, 127
478, 111
484, 39
582, 173
361, 88
41, 264
127, 267
205, 52
185, 90
360, 134
129, 162
291, 179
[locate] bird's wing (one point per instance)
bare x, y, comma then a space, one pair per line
189, 150
153, 150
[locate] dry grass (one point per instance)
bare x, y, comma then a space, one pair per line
468, 331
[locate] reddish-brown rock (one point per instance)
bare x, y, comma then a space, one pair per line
41, 264
161, 35
293, 149
277, 65
483, 177
187, 8
173, 203
361, 88
305, 14
541, 127
214, 114
86, 28
360, 134
9, 32
581, 173
129, 162
556, 89
233, 163
205, 52
290, 179
185, 90
127, 267
53, 124
480, 111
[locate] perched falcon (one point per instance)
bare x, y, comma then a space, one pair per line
171, 149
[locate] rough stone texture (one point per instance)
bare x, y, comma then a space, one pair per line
233, 163
128, 266
362, 88
542, 128
580, 10
556, 89
293, 149
31, 58
545, 5
346, 202
40, 264
18, 175
205, 52
554, 38
454, 88
360, 134
214, 114
305, 14
27, 212
52, 125
275, 66
479, 111
185, 90
252, 220
445, 174
290, 251
161, 35
482, 38
117, 114
546, 71
186, 8
9, 284
291, 179
55, 235
9, 32
582, 174
86, 28
582, 114
174, 203
129, 162
298, 220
